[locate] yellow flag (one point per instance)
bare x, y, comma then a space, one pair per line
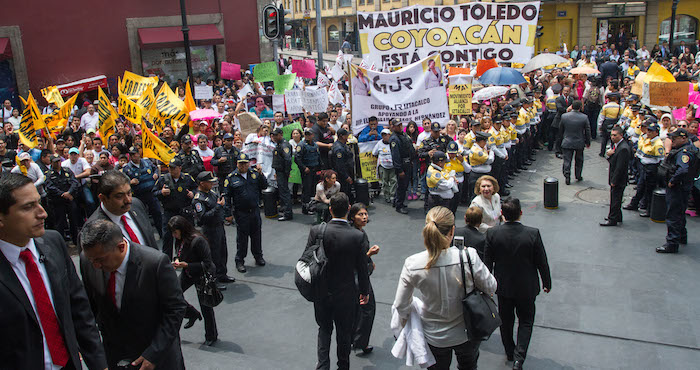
189, 100
167, 106
657, 73
146, 100
155, 148
31, 121
52, 95
107, 115
133, 85
129, 109
58, 119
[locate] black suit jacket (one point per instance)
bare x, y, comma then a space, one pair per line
563, 103
619, 164
515, 254
472, 238
346, 248
139, 214
21, 345
152, 308
575, 130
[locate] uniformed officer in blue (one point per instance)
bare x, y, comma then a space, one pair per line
209, 207
342, 163
192, 163
62, 188
175, 191
402, 152
225, 158
143, 174
308, 158
242, 190
282, 164
682, 167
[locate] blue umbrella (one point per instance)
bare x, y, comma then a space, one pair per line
502, 76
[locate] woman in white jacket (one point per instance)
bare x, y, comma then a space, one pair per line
436, 273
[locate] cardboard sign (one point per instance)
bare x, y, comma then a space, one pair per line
205, 92
672, 94
265, 72
304, 68
230, 71
249, 123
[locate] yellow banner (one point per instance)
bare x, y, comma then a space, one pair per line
368, 165
59, 118
154, 148
31, 121
133, 85
52, 95
129, 109
146, 100
167, 106
107, 116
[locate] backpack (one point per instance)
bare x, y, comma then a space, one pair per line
311, 271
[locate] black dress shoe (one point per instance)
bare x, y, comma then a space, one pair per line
192, 320
221, 286
630, 207
518, 365
260, 261
210, 342
558, 155
666, 248
567, 181
528, 163
240, 267
509, 357
504, 192
608, 223
226, 279
285, 218
403, 211
579, 179
507, 186
368, 350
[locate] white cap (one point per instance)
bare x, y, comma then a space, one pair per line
386, 131
24, 155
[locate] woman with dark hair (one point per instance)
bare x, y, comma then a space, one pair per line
325, 189
412, 131
194, 258
364, 319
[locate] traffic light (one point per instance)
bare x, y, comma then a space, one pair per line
271, 22
538, 33
284, 23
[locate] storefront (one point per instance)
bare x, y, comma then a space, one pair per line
8, 81
617, 23
686, 29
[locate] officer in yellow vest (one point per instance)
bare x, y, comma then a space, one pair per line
500, 154
480, 159
457, 162
442, 184
653, 154
610, 115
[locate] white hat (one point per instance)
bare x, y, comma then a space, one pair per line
24, 155
386, 131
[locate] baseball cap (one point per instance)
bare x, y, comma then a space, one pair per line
452, 147
394, 122
277, 131
243, 158
206, 176
435, 127
24, 155
681, 132
74, 151
439, 156
186, 139
342, 132
228, 136
55, 158
175, 162
386, 132
308, 131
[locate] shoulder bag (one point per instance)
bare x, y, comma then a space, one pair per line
480, 312
207, 292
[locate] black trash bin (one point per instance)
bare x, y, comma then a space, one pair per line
362, 191
658, 206
270, 202
551, 193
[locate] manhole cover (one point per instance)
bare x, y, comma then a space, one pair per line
593, 195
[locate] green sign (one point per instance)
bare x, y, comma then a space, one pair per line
284, 82
265, 72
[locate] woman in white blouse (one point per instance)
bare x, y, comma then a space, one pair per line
437, 274
488, 200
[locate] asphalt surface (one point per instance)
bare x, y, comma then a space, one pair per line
614, 304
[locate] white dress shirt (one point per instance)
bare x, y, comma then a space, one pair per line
89, 121
120, 277
11, 253
132, 224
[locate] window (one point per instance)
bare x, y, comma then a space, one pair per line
330, 4
333, 33
344, 3
686, 30
370, 2
361, 2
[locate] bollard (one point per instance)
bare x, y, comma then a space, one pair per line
658, 206
362, 191
551, 193
270, 202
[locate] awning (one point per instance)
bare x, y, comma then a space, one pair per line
5, 49
171, 37
87, 84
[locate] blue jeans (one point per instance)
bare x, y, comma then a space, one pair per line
89, 200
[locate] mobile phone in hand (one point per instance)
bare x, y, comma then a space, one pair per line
459, 242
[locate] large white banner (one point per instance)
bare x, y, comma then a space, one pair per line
459, 33
412, 93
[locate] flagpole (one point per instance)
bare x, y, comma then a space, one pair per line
186, 39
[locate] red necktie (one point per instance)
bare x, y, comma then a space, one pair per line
112, 287
47, 316
132, 234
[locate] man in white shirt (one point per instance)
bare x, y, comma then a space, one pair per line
33, 171
643, 54
81, 170
89, 119
426, 131
6, 111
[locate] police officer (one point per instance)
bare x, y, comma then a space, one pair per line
457, 162
480, 159
175, 190
682, 166
442, 184
308, 158
402, 152
62, 188
209, 207
225, 158
143, 174
343, 163
500, 153
434, 142
192, 163
282, 164
610, 114
242, 192
652, 154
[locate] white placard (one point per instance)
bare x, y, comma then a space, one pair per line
205, 92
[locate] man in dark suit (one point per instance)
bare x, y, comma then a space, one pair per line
619, 158
515, 254
119, 206
563, 102
136, 297
46, 318
470, 232
609, 69
346, 249
575, 131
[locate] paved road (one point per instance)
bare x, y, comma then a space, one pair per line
615, 303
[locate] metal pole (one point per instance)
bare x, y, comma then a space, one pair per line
186, 39
308, 37
673, 25
275, 55
319, 34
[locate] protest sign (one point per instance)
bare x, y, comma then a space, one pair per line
260, 151
245, 90
292, 100
458, 33
334, 94
107, 116
31, 121
249, 123
638, 84
130, 110
368, 162
315, 101
304, 68
672, 94
460, 99
230, 71
154, 148
205, 92
278, 103
337, 72
265, 72
322, 80
52, 95
284, 82
133, 85
412, 93
679, 114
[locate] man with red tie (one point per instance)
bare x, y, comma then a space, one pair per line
119, 206
46, 318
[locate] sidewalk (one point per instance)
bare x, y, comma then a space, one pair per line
302, 53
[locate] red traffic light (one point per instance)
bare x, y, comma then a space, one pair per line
272, 14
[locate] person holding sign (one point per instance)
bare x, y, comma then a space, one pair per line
261, 110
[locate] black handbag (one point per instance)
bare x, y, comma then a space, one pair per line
480, 312
207, 292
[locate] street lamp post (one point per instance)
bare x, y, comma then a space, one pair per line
186, 39
673, 24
